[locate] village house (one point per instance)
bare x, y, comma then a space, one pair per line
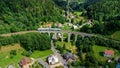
25, 62
48, 25
89, 21
69, 57
108, 53
75, 26
59, 25
53, 59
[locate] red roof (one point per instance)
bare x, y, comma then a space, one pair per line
48, 25
109, 52
25, 61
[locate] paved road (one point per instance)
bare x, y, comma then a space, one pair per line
22, 32
44, 64
58, 55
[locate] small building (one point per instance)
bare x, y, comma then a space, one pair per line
59, 25
108, 53
53, 59
25, 62
48, 25
69, 57
11, 66
89, 21
75, 26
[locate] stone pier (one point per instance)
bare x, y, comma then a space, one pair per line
62, 38
69, 35
76, 37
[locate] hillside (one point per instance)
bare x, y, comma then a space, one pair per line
105, 16
19, 15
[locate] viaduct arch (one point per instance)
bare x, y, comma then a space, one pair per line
66, 32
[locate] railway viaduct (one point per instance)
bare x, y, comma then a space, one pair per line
62, 32
66, 32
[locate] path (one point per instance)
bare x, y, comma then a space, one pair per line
58, 55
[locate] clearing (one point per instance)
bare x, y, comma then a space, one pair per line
5, 58
98, 52
116, 35
68, 46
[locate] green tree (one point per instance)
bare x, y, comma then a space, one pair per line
13, 52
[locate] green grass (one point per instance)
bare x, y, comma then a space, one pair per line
116, 35
66, 27
68, 46
38, 54
98, 52
5, 55
78, 13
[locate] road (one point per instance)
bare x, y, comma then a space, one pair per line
22, 32
44, 64
58, 55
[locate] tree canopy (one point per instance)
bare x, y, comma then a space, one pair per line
17, 15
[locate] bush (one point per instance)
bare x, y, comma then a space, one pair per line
26, 53
13, 52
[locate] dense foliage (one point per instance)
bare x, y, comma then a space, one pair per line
104, 10
35, 41
29, 41
106, 28
105, 15
74, 5
17, 15
6, 41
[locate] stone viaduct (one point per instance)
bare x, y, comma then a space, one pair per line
66, 32
62, 32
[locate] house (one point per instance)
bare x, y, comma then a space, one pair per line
11, 66
25, 62
53, 59
89, 21
69, 57
108, 53
59, 25
75, 26
48, 25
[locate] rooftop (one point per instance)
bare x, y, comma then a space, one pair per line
110, 52
25, 61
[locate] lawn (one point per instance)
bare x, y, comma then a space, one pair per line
98, 52
68, 46
5, 58
78, 13
38, 54
116, 35
66, 27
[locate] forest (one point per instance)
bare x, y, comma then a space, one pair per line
29, 15
21, 15
29, 41
105, 15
